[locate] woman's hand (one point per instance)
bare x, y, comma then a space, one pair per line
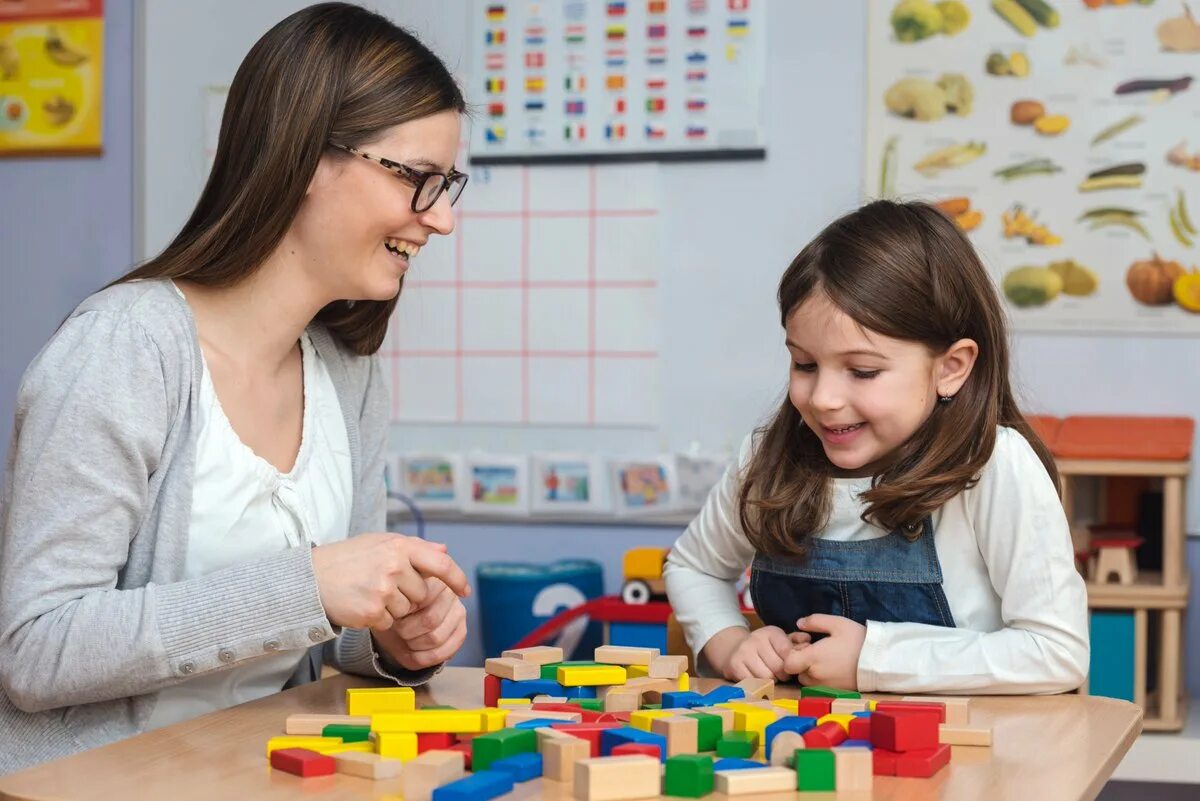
376, 579
431, 633
831, 661
740, 654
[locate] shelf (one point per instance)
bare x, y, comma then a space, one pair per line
1121, 467
1154, 722
1161, 757
1146, 592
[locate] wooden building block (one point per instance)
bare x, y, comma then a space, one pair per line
625, 655
853, 769
723, 712
783, 748
421, 776
788, 705
523, 715
491, 689
400, 745
757, 688
549, 699
902, 731
318, 744
625, 749
639, 671
373, 700
841, 720
964, 735
668, 667
936, 711
847, 706
487, 748
538, 655
313, 725
509, 703
367, 766
826, 735
958, 709
644, 718
922, 763
589, 676
682, 734
481, 786
457, 721
559, 755
362, 747
492, 719
688, 776
815, 769
622, 701
817, 691
617, 778
302, 762
514, 669
756, 780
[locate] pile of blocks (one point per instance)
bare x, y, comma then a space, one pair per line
624, 726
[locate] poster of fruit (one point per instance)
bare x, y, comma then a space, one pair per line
1063, 136
51, 76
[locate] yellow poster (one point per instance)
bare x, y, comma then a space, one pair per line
51, 76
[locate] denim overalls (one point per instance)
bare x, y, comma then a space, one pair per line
887, 579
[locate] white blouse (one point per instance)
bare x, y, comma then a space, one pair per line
244, 508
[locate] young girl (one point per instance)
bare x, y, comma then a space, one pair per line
194, 509
901, 517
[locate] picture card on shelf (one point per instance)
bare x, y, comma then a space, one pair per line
432, 480
496, 484
645, 486
568, 482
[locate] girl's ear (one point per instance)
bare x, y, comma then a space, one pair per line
955, 365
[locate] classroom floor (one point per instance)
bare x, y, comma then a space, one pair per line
1139, 791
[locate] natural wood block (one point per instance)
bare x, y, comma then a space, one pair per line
367, 766
668, 667
853, 769
757, 688
559, 755
756, 780
681, 732
538, 655
964, 735
514, 669
625, 655
958, 709
429, 771
549, 699
847, 706
783, 748
723, 712
617, 778
547, 733
313, 725
628, 701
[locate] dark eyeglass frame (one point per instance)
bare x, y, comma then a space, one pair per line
418, 178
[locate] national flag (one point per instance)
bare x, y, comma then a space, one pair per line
494, 61
535, 36
696, 104
616, 8
496, 109
494, 36
535, 59
739, 5
495, 13
656, 132
738, 27
698, 6
614, 57
614, 83
575, 83
576, 133
614, 33
494, 86
697, 57
495, 134
615, 132
656, 31
619, 106
656, 6
696, 132
535, 135
535, 106
656, 56
656, 84
656, 105
575, 34
697, 31
573, 107
696, 76
535, 84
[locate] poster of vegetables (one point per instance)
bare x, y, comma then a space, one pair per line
51, 71
1063, 136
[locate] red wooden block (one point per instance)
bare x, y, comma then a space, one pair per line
903, 731
464, 749
883, 762
586, 715
587, 731
434, 741
814, 707
923, 763
491, 690
302, 762
913, 707
613, 717
860, 729
649, 749
827, 735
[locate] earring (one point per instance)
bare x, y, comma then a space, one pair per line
945, 398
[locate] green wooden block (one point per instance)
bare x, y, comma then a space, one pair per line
438, 706
738, 744
826, 692
689, 776
590, 704
708, 730
551, 671
814, 769
349, 734
651, 706
487, 748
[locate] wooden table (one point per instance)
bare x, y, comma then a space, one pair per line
1058, 747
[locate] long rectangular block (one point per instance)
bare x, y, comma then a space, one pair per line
522, 767
964, 735
682, 734
320, 745
374, 700
538, 655
586, 676
617, 778
755, 780
400, 745
513, 669
439, 720
958, 710
479, 786
560, 754
421, 776
625, 655
487, 748
668, 667
302, 762
367, 766
313, 725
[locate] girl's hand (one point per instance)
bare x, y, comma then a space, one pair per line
376, 579
831, 661
758, 654
430, 634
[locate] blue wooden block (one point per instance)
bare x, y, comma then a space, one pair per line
735, 763
790, 723
682, 700
863, 714
611, 738
857, 744
537, 723
530, 688
723, 695
522, 767
1111, 674
477, 787
578, 692
638, 635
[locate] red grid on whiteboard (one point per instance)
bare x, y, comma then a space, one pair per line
394, 352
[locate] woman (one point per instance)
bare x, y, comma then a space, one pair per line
197, 443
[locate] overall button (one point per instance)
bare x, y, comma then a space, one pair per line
315, 634
271, 645
225, 655
187, 668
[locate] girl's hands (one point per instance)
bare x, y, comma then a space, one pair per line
831, 661
740, 654
374, 580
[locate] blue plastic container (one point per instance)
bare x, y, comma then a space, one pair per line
516, 597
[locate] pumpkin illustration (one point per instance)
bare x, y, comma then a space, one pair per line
1152, 282
1187, 290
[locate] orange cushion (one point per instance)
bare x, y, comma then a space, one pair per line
1151, 439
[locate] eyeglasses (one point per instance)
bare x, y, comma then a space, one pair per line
429, 185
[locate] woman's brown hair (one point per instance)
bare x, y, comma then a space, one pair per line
903, 270
330, 72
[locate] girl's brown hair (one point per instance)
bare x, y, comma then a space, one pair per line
330, 72
903, 270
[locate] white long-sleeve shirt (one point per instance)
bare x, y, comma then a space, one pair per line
1019, 604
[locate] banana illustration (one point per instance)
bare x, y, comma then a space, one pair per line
59, 110
60, 52
9, 64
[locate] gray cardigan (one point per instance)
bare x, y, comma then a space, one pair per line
95, 617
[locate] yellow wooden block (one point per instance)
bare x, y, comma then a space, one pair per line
319, 744
752, 718
685, 682
400, 745
789, 705
841, 720
373, 700
363, 747
504, 702
493, 719
871, 705
589, 676
644, 719
637, 671
454, 721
